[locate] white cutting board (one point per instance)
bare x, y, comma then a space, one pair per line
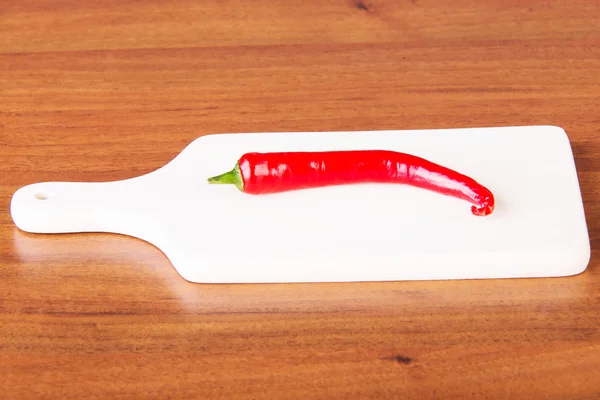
365, 232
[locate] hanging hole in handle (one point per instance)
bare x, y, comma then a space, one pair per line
41, 196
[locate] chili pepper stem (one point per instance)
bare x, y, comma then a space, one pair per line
233, 177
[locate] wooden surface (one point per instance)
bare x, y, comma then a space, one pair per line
105, 90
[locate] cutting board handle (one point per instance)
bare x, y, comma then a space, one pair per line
63, 207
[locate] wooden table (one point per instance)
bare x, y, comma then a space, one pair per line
108, 90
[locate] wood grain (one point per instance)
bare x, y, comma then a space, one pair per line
105, 90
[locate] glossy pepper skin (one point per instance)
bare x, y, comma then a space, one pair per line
261, 173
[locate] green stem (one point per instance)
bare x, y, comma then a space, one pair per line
233, 177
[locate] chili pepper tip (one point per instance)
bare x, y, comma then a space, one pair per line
482, 211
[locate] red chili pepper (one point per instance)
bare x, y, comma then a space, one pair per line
259, 173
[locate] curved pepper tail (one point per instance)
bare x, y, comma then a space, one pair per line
486, 207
